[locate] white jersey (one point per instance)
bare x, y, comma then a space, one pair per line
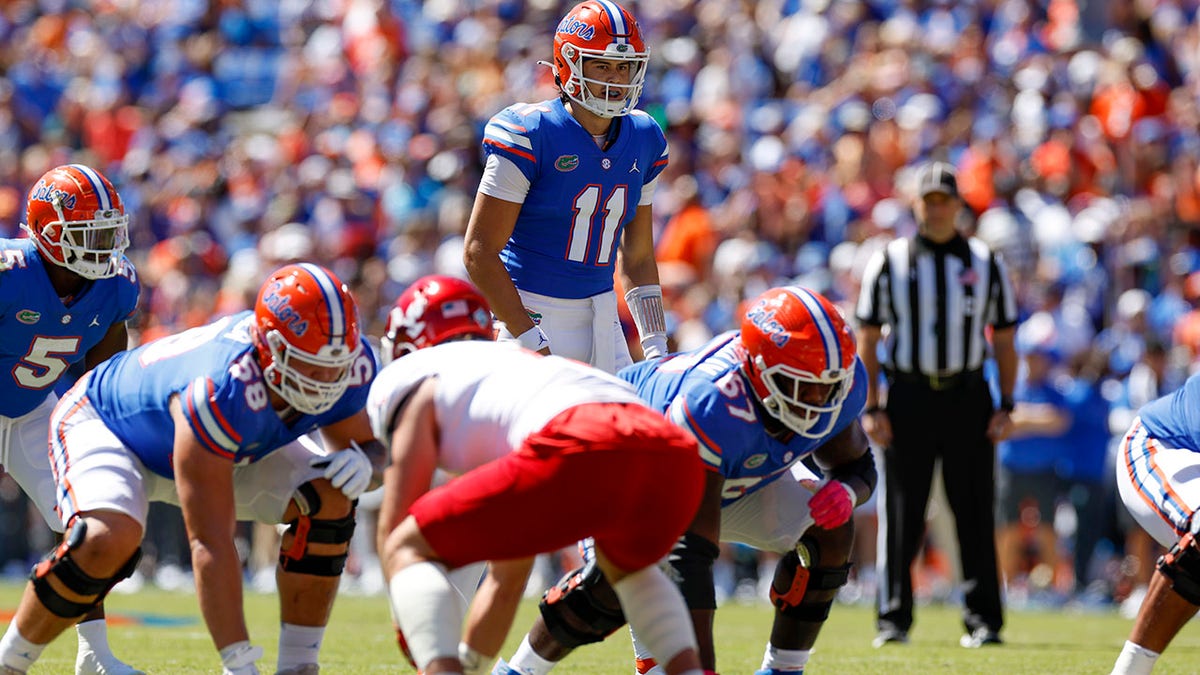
490, 396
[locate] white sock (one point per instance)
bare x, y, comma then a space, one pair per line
429, 610
784, 659
299, 645
93, 637
1134, 660
16, 651
473, 662
641, 653
528, 661
655, 609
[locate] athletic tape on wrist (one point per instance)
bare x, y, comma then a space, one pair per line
646, 306
533, 339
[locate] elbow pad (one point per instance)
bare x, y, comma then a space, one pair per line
862, 468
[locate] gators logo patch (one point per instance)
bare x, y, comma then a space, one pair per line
28, 316
754, 461
567, 163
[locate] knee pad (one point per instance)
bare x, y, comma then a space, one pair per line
1182, 566
582, 608
61, 563
691, 563
306, 529
795, 578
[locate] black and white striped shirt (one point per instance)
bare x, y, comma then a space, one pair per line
937, 300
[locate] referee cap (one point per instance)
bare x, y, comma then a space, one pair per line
937, 177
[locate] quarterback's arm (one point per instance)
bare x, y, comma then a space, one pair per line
414, 454
357, 429
638, 272
847, 457
635, 256
692, 560
114, 341
204, 481
491, 224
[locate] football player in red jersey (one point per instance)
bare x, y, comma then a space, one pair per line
522, 432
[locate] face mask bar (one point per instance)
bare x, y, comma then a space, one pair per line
92, 248
304, 393
606, 106
786, 384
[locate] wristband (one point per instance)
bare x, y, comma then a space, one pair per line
533, 339
872, 409
646, 307
1007, 404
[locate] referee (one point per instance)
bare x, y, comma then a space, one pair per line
937, 293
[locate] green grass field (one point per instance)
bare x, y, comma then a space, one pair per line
360, 640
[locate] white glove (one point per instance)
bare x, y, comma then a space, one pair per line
654, 346
348, 470
239, 659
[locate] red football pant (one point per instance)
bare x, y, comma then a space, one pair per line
617, 472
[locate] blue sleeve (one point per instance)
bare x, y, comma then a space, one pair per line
656, 143
128, 291
712, 418
514, 137
213, 408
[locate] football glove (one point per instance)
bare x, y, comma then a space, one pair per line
832, 505
348, 470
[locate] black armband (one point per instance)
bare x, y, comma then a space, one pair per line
1007, 404
862, 468
691, 562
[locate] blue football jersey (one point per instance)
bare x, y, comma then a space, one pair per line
1174, 419
705, 392
214, 371
580, 197
41, 337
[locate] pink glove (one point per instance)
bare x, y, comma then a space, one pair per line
832, 505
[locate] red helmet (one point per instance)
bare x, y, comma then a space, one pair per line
796, 339
433, 310
599, 29
305, 319
78, 221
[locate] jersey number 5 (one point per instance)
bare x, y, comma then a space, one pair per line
585, 206
45, 362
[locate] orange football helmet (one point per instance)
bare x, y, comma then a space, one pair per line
600, 29
800, 357
433, 310
307, 334
78, 221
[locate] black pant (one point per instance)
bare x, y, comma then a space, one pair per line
950, 424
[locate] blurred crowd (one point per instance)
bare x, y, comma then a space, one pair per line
244, 134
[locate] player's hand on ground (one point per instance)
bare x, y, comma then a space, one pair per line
348, 470
832, 505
